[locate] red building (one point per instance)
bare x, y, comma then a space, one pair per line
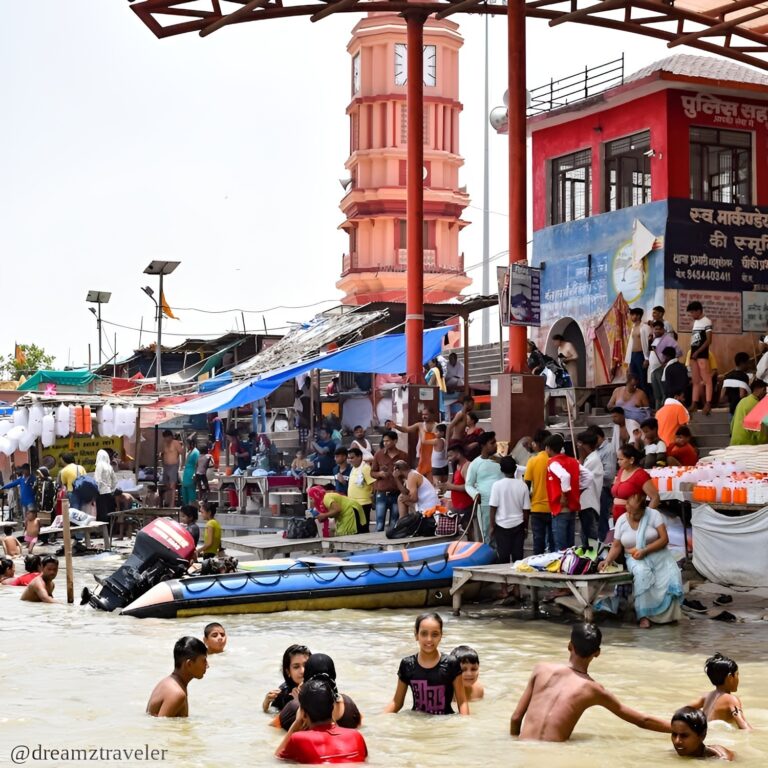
653, 190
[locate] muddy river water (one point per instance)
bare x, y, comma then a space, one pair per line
73, 677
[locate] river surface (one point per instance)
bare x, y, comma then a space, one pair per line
73, 677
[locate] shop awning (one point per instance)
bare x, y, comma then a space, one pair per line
382, 354
60, 378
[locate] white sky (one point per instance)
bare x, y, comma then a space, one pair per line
223, 153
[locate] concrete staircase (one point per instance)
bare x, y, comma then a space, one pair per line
711, 432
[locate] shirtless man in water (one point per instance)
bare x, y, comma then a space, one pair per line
40, 589
170, 455
169, 697
557, 695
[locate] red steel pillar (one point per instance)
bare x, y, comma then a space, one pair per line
516, 108
414, 297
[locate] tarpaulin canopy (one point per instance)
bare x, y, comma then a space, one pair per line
382, 354
62, 378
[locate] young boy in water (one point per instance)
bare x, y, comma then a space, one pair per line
689, 729
40, 589
215, 638
169, 696
722, 704
470, 671
31, 529
557, 695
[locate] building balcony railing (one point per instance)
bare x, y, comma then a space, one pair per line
349, 264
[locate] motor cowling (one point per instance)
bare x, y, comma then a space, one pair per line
161, 552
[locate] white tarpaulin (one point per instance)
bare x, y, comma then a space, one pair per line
731, 550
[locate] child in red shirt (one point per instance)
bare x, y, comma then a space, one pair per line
314, 738
683, 451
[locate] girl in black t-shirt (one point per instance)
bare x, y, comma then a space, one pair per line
294, 659
433, 677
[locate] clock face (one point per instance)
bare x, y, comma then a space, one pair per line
430, 65
401, 64
356, 74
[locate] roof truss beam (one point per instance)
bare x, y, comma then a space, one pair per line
717, 29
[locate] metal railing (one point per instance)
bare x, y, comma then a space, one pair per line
577, 87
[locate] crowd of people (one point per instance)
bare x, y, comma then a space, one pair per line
322, 725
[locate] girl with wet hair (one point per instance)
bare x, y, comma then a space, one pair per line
294, 660
319, 666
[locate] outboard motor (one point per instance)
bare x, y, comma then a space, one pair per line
161, 552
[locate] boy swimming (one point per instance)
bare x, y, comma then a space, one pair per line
557, 695
40, 589
722, 704
169, 696
470, 671
215, 638
689, 729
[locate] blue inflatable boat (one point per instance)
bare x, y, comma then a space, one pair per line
404, 578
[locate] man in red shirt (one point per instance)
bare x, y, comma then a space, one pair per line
565, 479
314, 738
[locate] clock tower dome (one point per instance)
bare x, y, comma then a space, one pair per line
374, 268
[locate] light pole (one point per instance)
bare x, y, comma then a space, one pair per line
161, 269
98, 298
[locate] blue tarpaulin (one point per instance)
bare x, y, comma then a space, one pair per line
382, 354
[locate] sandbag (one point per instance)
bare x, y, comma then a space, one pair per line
5, 446
731, 550
107, 421
48, 434
20, 417
35, 424
26, 440
5, 427
62, 420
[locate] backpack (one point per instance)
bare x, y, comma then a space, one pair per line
575, 565
301, 528
85, 488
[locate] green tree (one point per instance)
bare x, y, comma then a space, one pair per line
31, 359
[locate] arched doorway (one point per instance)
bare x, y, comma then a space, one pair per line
570, 330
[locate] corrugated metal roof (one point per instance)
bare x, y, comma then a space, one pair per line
709, 67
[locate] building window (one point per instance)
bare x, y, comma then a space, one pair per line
721, 165
571, 186
427, 233
404, 124
628, 171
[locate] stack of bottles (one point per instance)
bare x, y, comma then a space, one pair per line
715, 483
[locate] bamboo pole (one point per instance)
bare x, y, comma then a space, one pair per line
68, 550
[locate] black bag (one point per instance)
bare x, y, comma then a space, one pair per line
405, 526
413, 524
301, 528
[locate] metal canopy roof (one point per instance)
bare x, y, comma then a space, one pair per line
737, 29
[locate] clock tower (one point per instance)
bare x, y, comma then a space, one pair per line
374, 267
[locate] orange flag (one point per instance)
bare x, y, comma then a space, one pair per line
166, 309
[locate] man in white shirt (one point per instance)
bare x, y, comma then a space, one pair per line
701, 345
624, 430
509, 510
590, 494
454, 374
361, 441
607, 454
655, 447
